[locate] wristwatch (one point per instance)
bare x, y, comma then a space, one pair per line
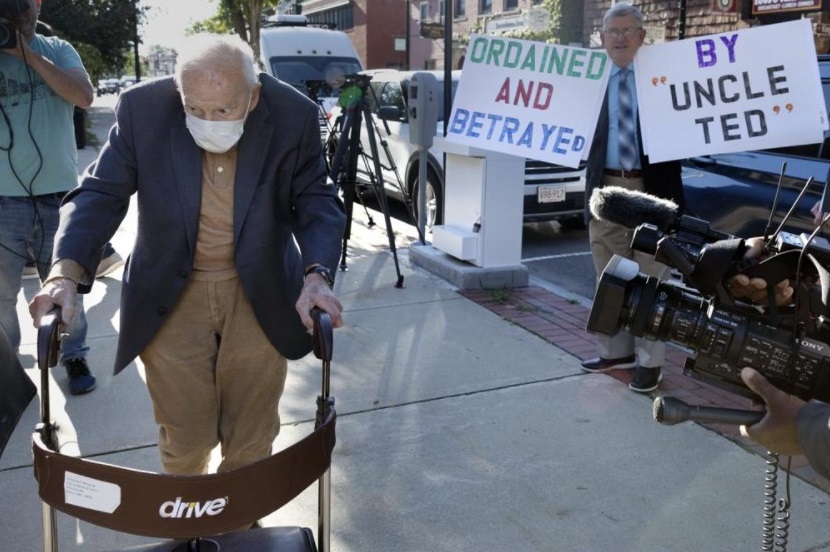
322, 270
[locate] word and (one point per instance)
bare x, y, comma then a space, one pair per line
524, 92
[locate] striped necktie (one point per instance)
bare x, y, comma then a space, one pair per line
626, 138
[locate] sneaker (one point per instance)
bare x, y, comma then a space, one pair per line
645, 379
109, 264
599, 364
30, 271
81, 379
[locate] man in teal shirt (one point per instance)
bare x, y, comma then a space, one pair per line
41, 80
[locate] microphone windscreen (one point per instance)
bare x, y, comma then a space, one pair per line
631, 208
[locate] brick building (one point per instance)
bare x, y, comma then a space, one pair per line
410, 33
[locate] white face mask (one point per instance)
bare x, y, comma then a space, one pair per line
216, 136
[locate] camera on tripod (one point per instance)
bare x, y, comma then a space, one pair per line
10, 12
787, 344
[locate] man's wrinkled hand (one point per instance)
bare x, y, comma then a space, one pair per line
60, 292
317, 293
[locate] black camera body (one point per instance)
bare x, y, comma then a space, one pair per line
10, 12
788, 345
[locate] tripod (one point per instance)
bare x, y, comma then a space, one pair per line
349, 149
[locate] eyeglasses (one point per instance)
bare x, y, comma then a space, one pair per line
627, 32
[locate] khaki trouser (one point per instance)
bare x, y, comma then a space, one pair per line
214, 378
608, 239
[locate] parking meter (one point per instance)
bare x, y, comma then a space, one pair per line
424, 95
423, 109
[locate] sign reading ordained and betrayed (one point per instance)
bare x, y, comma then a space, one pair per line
529, 99
730, 92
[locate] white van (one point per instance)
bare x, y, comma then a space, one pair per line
314, 60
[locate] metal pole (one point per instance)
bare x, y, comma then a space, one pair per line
681, 22
447, 63
406, 22
135, 43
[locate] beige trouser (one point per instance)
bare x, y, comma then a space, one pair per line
214, 378
608, 239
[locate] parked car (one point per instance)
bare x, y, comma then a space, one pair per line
735, 192
126, 82
551, 192
107, 86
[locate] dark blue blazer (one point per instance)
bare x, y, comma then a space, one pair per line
281, 194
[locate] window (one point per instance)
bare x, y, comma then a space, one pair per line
441, 10
424, 11
485, 6
459, 8
342, 18
511, 4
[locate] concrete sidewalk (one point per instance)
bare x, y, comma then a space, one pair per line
458, 430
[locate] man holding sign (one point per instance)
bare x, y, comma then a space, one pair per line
616, 159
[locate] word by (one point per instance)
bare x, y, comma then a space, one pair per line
177, 509
538, 58
707, 50
513, 131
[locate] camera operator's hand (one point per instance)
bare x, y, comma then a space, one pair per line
777, 429
742, 286
818, 216
73, 84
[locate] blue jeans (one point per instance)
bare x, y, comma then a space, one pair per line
27, 227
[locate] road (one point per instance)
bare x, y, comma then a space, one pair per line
559, 256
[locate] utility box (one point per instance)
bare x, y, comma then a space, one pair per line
483, 206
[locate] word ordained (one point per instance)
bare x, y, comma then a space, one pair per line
538, 58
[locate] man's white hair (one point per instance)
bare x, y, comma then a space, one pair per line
207, 49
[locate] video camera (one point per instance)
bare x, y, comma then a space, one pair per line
10, 12
788, 345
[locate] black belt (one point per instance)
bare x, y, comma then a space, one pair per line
56, 195
620, 173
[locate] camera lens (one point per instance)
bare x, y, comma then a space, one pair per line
644, 306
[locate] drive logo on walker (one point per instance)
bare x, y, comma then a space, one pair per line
179, 509
529, 99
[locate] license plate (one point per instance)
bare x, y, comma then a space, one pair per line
551, 194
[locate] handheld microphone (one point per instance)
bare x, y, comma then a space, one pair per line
671, 410
630, 208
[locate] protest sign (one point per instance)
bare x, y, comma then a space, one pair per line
529, 99
730, 92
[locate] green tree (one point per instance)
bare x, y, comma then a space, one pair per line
565, 23
242, 17
102, 26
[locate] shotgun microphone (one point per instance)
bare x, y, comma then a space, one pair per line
631, 208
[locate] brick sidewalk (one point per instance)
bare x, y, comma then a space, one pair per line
562, 322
